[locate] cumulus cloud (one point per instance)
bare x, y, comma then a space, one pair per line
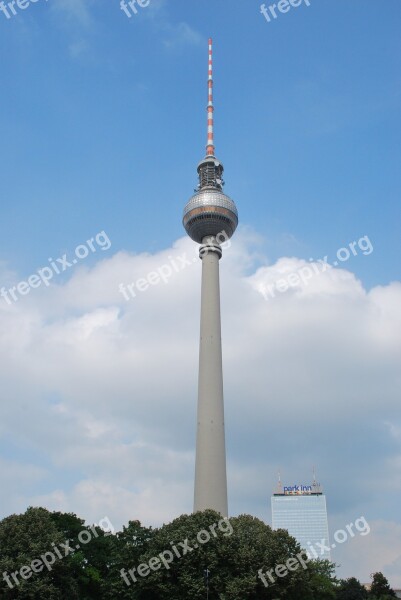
174, 35
99, 392
76, 11
181, 34
360, 556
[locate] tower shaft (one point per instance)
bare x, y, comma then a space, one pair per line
209, 216
210, 469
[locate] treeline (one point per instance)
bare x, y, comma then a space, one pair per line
56, 556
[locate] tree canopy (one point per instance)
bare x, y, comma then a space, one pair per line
56, 556
351, 589
380, 588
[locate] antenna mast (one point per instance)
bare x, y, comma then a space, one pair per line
279, 484
210, 107
210, 170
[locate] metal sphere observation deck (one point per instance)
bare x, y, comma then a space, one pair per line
208, 213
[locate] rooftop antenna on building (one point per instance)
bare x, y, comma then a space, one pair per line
279, 484
315, 485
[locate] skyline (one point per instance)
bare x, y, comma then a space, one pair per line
102, 127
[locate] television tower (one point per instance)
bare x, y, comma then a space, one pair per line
210, 217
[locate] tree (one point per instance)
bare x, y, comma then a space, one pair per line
127, 548
322, 580
351, 589
245, 557
79, 557
30, 537
90, 564
380, 588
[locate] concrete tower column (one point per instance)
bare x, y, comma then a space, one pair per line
210, 468
210, 215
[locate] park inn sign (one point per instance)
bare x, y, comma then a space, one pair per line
298, 489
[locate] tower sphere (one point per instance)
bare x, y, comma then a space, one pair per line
208, 213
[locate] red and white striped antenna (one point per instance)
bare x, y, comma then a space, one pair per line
210, 107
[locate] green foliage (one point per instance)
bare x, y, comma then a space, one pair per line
322, 579
24, 538
351, 589
140, 563
380, 588
90, 564
76, 573
128, 547
234, 554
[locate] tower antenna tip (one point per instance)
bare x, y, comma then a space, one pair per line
210, 107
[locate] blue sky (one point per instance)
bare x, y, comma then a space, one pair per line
103, 123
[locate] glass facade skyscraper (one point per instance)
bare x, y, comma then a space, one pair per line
302, 511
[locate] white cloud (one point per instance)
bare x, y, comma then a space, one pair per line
174, 35
75, 11
99, 394
378, 551
76, 18
181, 34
